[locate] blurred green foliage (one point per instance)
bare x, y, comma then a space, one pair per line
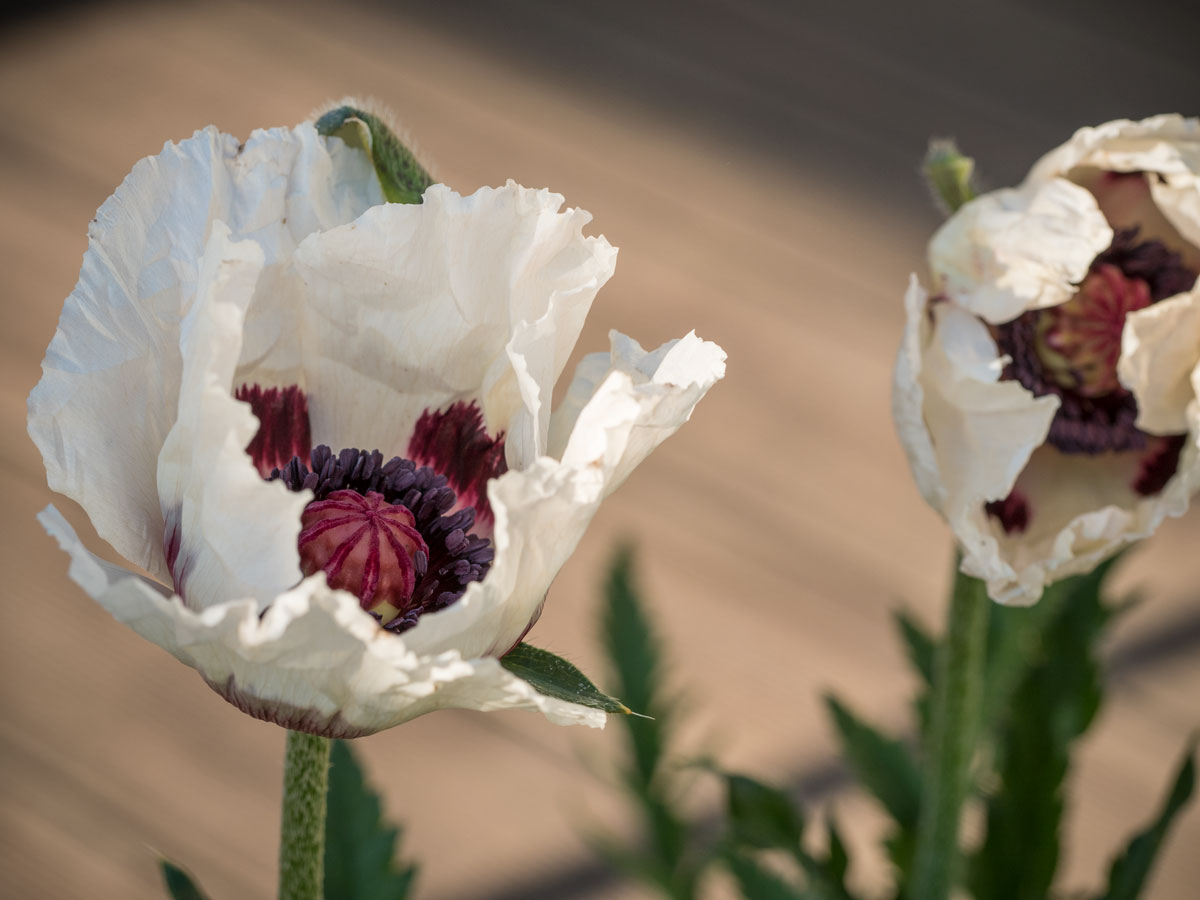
1044, 686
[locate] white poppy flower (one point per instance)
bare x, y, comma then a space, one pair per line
1046, 393
242, 309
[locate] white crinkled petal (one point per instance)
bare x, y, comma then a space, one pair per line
108, 393
1013, 250
1160, 352
1083, 510
542, 511
230, 533
668, 383
967, 434
314, 660
414, 307
1166, 145
983, 429
908, 398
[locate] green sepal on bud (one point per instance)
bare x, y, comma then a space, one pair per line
948, 174
402, 178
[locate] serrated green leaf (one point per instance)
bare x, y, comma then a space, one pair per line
401, 177
765, 818
884, 765
667, 854
761, 816
948, 174
634, 650
758, 883
179, 883
360, 847
1127, 877
555, 677
1054, 659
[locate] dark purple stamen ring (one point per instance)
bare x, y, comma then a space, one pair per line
1163, 270
1082, 424
456, 556
1102, 424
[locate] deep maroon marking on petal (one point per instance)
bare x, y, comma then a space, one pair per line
177, 563
1160, 464
283, 428
343, 484
1012, 512
455, 443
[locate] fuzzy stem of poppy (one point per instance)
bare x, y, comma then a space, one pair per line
302, 830
954, 732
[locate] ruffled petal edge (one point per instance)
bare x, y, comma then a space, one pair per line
313, 661
633, 402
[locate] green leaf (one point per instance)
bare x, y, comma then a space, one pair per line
402, 178
884, 765
839, 858
921, 648
630, 642
555, 677
179, 883
758, 883
360, 848
948, 174
1129, 871
635, 653
765, 818
919, 644
761, 816
1052, 662
666, 854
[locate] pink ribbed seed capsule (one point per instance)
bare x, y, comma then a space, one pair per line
366, 546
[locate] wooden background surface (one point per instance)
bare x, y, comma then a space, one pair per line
756, 164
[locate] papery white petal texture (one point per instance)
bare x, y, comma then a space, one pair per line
116, 357
414, 307
967, 434
1167, 146
273, 263
1160, 352
1018, 249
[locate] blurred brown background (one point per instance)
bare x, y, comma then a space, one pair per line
756, 164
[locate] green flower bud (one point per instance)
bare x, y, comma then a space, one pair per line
948, 174
402, 178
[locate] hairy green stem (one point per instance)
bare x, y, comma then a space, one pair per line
302, 830
957, 701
